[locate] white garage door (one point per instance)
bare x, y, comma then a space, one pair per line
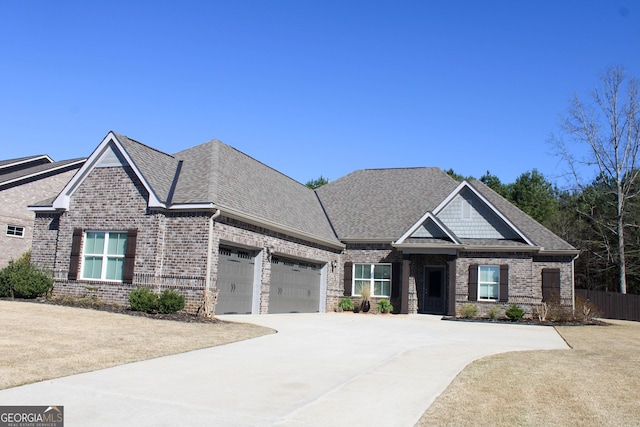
235, 280
294, 287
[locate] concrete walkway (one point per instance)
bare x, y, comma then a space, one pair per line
318, 370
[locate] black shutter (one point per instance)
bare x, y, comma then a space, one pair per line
396, 273
348, 278
551, 285
129, 256
473, 282
504, 283
74, 260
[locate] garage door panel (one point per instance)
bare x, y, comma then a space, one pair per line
235, 281
294, 287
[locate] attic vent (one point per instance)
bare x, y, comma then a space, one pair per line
224, 251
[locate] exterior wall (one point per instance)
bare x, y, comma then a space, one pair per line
114, 199
378, 253
525, 278
13, 211
236, 233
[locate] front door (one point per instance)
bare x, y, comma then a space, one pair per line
434, 295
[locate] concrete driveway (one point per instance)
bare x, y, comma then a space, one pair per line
318, 370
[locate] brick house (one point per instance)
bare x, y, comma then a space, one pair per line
24, 181
229, 232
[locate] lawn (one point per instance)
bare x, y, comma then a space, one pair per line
41, 341
596, 383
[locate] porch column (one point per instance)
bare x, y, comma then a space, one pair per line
404, 289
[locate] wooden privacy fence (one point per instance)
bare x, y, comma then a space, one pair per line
612, 305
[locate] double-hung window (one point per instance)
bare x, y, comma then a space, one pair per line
103, 255
488, 282
377, 277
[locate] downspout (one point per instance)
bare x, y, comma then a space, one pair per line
208, 304
573, 283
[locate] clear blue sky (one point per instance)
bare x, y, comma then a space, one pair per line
309, 87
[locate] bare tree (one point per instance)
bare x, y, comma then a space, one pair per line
608, 129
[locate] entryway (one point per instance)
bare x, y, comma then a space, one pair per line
434, 290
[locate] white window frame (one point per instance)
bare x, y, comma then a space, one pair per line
372, 280
482, 283
15, 231
105, 255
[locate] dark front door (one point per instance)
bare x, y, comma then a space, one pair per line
434, 295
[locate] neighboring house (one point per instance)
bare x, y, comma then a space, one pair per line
25, 181
223, 228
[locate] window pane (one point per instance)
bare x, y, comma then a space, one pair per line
359, 284
382, 271
115, 267
94, 243
488, 291
117, 243
489, 274
92, 267
363, 271
382, 288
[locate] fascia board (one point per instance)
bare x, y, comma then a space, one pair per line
192, 206
35, 208
466, 184
62, 201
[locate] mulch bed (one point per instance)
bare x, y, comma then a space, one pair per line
592, 322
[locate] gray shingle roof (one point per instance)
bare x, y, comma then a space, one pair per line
157, 168
30, 172
216, 173
381, 204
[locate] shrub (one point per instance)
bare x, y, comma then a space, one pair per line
468, 310
20, 279
142, 299
170, 301
560, 313
494, 312
586, 311
514, 312
384, 306
346, 304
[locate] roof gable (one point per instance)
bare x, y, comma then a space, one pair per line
468, 214
117, 150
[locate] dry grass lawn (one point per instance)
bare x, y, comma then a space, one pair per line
39, 341
597, 383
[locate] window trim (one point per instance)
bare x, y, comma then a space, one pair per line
372, 280
105, 255
14, 232
496, 284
